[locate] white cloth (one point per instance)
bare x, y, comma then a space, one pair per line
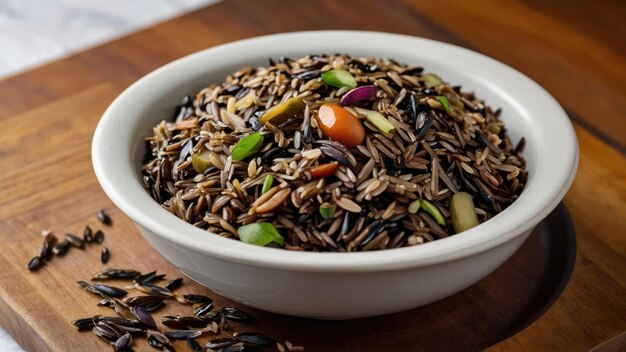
7, 344
33, 32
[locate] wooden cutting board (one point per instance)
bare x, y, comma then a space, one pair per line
47, 118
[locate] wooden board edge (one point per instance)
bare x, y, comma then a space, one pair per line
21, 330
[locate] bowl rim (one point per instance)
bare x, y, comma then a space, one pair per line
115, 172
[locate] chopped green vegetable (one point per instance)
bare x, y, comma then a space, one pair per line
433, 211
463, 213
327, 211
267, 184
446, 106
377, 119
493, 128
282, 112
260, 234
431, 80
247, 146
414, 206
456, 102
201, 161
339, 79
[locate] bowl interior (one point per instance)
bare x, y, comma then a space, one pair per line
162, 106
528, 111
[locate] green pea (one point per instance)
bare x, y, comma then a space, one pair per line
247, 146
260, 234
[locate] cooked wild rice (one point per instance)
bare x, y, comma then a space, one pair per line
435, 152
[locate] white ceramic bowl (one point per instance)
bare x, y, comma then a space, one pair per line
337, 285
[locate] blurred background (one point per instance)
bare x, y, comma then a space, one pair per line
36, 31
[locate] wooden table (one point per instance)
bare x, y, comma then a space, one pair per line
47, 117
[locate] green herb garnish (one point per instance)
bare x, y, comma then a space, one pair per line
327, 211
247, 146
260, 234
433, 211
267, 184
446, 106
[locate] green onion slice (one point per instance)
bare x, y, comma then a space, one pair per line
463, 213
377, 119
339, 79
433, 211
431, 80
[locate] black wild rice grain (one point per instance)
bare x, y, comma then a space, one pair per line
104, 217
75, 240
61, 248
110, 291
153, 289
218, 343
194, 345
143, 316
45, 251
175, 324
203, 309
193, 322
154, 306
105, 255
87, 234
123, 342
35, 263
146, 278
113, 273
174, 284
143, 301
194, 298
235, 314
99, 237
254, 338
182, 334
83, 323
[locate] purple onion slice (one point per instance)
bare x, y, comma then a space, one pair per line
358, 94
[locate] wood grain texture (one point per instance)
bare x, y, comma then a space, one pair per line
47, 117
